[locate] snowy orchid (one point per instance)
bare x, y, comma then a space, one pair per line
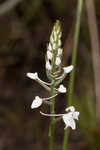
33, 76
62, 89
36, 102
48, 65
58, 61
68, 69
68, 118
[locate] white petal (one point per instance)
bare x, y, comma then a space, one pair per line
68, 69
71, 108
49, 55
33, 76
58, 61
48, 65
36, 102
72, 124
69, 121
62, 89
76, 115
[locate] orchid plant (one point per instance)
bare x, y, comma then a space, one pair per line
56, 74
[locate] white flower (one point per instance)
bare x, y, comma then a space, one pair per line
49, 55
58, 61
33, 76
59, 51
59, 43
69, 118
48, 65
36, 102
49, 47
68, 69
69, 121
62, 89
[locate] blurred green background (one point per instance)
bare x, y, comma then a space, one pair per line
25, 27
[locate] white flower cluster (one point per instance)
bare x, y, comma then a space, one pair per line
54, 50
69, 117
53, 69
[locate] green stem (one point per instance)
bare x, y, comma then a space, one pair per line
52, 121
43, 85
72, 76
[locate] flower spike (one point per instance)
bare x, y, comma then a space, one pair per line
56, 75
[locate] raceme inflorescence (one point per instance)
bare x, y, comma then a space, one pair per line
56, 74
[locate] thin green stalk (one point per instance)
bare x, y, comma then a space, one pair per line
52, 111
72, 76
52, 121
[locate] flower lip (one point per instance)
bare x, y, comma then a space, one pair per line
62, 89
33, 76
36, 102
68, 69
69, 121
69, 118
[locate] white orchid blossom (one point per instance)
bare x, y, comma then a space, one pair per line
49, 47
68, 69
59, 51
59, 43
48, 65
49, 55
36, 102
33, 76
62, 89
68, 118
58, 61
